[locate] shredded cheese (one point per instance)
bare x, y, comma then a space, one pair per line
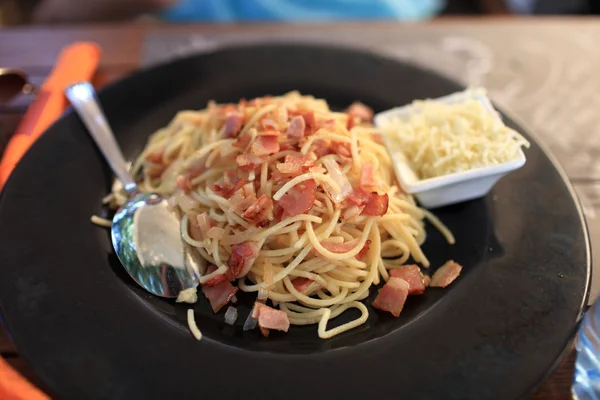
192, 324
188, 296
440, 139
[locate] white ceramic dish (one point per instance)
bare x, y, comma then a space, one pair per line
452, 188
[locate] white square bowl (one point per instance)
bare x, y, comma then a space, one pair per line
451, 188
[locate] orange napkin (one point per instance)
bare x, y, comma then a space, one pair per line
76, 62
14, 387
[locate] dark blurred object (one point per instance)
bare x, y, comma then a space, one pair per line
54, 11
471, 7
17, 11
462, 7
569, 7
540, 7
10, 12
12, 82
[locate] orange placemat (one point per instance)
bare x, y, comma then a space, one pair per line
14, 387
76, 62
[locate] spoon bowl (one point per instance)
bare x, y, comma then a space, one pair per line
145, 231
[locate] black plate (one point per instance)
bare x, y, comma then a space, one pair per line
89, 332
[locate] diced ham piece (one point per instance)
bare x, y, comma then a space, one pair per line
257, 213
317, 169
363, 252
346, 247
279, 177
269, 124
322, 150
193, 170
299, 199
392, 296
278, 215
243, 198
225, 109
376, 205
233, 123
243, 140
361, 111
248, 161
218, 290
154, 170
426, 280
295, 164
301, 283
358, 112
358, 197
269, 132
446, 274
230, 176
327, 124
367, 177
183, 183
219, 294
256, 309
296, 127
287, 146
156, 156
413, 275
265, 145
241, 259
340, 247
342, 149
310, 122
227, 190
264, 331
377, 138
215, 279
270, 318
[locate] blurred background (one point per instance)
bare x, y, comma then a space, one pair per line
22, 12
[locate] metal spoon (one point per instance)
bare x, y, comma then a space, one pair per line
12, 82
145, 231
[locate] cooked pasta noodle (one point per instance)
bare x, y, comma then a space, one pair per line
293, 201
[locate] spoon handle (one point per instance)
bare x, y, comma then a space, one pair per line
83, 98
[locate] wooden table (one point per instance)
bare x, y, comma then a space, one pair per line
35, 49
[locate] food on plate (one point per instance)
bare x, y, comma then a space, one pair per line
446, 274
188, 296
231, 315
290, 200
440, 138
192, 324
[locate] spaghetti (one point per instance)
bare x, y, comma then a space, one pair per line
289, 200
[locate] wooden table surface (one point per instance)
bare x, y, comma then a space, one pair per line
35, 50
